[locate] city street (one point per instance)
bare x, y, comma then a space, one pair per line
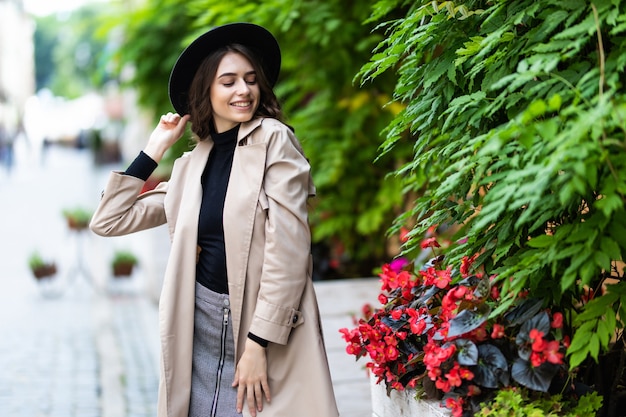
88, 347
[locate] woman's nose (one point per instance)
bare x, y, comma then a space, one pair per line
243, 87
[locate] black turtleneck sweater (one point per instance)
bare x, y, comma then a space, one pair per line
211, 267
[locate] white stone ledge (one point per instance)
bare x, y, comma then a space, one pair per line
402, 404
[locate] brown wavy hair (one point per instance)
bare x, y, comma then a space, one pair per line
200, 109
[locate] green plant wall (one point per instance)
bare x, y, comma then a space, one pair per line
517, 110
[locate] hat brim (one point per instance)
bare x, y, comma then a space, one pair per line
259, 39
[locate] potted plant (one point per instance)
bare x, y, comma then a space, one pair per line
40, 268
77, 218
123, 263
443, 331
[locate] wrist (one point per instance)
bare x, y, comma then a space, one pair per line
155, 151
259, 340
254, 345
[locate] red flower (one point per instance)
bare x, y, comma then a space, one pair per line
455, 405
391, 353
443, 278
498, 331
404, 234
557, 320
383, 299
404, 280
353, 337
473, 390
430, 242
396, 313
538, 342
566, 341
552, 353
429, 275
454, 377
495, 293
536, 359
367, 310
397, 386
416, 323
466, 374
443, 385
466, 264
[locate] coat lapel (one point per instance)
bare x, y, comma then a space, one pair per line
178, 291
242, 196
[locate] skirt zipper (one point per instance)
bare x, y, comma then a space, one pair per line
221, 362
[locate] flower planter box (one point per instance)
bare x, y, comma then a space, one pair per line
123, 270
402, 404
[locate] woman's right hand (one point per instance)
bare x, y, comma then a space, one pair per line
170, 128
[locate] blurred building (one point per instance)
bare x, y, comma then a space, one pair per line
17, 64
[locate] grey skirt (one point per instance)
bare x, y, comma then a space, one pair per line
213, 368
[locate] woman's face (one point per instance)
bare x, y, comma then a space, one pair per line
235, 93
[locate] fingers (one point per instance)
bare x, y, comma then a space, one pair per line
174, 119
266, 389
252, 406
251, 378
252, 394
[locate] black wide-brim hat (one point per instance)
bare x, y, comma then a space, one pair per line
255, 37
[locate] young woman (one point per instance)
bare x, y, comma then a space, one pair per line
239, 322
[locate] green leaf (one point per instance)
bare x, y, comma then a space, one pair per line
541, 241
594, 346
576, 358
604, 333
610, 248
602, 260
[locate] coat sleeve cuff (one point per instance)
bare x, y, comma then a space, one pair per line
274, 323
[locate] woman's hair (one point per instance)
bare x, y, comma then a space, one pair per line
200, 109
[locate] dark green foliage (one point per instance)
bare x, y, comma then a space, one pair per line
70, 56
518, 115
492, 370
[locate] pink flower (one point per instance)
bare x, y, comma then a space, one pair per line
398, 264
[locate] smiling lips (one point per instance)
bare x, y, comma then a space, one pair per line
242, 104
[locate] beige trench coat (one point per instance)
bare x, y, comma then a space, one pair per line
267, 242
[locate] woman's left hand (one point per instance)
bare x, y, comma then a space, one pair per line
251, 378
